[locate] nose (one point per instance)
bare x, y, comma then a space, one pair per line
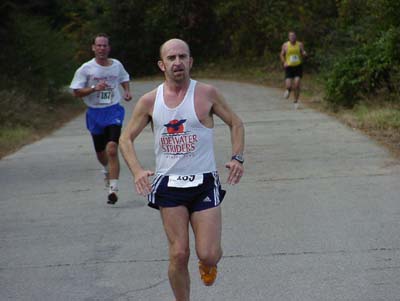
177, 60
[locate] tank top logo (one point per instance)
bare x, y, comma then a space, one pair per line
176, 141
175, 126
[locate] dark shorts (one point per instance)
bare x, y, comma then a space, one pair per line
205, 196
105, 125
293, 72
110, 133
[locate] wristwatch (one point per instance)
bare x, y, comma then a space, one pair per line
93, 87
238, 158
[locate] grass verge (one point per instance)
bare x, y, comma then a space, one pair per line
23, 121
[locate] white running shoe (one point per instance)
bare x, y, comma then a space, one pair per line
296, 105
286, 94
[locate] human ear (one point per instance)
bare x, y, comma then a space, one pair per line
161, 65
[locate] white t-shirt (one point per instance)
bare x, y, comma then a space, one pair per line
91, 73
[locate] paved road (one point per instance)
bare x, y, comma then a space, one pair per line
315, 218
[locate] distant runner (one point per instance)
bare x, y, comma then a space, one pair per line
186, 188
97, 82
292, 56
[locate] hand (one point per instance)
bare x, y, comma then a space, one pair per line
235, 171
142, 183
285, 65
127, 95
101, 86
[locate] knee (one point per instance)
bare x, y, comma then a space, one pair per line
211, 256
112, 149
179, 257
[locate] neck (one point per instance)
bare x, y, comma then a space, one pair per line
177, 87
102, 62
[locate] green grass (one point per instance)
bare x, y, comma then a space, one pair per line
13, 138
23, 120
385, 117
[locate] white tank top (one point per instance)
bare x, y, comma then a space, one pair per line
183, 146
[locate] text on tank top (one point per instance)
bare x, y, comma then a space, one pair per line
183, 145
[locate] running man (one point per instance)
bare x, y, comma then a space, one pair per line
292, 56
186, 187
97, 82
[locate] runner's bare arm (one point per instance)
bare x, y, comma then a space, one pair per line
140, 118
127, 92
223, 111
89, 90
303, 52
283, 53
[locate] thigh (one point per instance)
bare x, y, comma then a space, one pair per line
207, 228
176, 225
288, 73
99, 142
112, 133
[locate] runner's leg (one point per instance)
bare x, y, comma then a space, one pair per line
206, 226
288, 86
176, 226
296, 88
102, 158
112, 134
288, 83
99, 142
113, 160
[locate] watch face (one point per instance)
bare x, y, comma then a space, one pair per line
238, 158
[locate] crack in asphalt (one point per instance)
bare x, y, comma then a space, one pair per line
274, 254
127, 293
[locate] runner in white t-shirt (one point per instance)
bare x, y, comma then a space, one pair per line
98, 83
186, 188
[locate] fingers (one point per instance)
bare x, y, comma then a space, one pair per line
102, 85
235, 172
128, 96
142, 183
143, 186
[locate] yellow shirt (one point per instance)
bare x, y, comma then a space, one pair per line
293, 54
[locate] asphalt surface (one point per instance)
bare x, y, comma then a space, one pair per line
316, 216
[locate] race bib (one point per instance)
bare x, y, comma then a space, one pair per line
185, 181
294, 59
105, 96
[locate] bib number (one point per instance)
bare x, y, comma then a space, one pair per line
105, 96
185, 181
294, 59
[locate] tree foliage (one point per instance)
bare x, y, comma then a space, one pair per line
353, 42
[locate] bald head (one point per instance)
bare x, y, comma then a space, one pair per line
172, 43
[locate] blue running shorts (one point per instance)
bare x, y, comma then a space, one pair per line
97, 119
207, 195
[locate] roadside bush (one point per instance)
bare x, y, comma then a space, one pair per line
366, 69
39, 59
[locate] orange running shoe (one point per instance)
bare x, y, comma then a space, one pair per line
207, 274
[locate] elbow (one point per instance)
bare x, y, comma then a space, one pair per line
124, 141
238, 124
76, 94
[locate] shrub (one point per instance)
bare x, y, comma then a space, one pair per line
364, 70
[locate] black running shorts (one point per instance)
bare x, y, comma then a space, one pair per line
293, 72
